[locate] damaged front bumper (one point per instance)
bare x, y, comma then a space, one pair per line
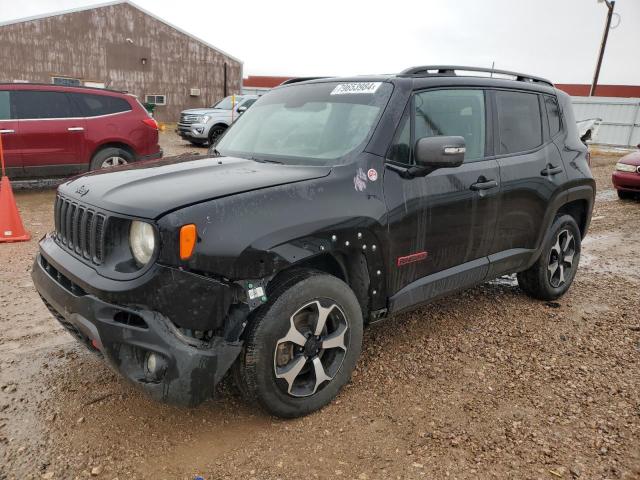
126, 334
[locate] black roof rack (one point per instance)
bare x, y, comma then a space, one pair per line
450, 70
301, 79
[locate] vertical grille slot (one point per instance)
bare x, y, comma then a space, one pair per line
88, 228
99, 239
77, 229
56, 214
64, 205
71, 210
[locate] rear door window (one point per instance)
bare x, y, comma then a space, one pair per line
519, 122
34, 104
5, 106
95, 105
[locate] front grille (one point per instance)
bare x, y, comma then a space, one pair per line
188, 119
80, 229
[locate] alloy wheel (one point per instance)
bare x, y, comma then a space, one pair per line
113, 162
215, 133
561, 258
311, 352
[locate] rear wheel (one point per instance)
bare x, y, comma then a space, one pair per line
302, 346
110, 157
552, 274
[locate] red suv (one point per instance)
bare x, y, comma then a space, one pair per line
53, 131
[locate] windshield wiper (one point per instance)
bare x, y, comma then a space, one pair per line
215, 152
264, 160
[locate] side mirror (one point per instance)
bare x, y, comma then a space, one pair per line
242, 109
440, 152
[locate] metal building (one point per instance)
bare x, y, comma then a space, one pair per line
120, 46
619, 118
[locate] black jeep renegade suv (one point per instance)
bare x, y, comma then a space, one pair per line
331, 203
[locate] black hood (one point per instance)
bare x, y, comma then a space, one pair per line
150, 189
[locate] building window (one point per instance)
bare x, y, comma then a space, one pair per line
66, 81
156, 99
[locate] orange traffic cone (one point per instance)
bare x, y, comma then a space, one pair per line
11, 228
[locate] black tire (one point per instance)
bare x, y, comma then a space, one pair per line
541, 280
106, 154
624, 195
258, 365
215, 133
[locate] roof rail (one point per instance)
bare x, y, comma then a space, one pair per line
450, 70
301, 79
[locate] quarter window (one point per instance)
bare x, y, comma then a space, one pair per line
96, 105
31, 104
553, 113
452, 113
156, 99
400, 151
5, 109
519, 122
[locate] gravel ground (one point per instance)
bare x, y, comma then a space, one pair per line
484, 384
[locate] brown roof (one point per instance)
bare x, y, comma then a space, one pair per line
582, 90
261, 81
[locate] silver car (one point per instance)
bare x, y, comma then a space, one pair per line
202, 126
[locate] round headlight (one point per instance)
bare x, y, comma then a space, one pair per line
142, 241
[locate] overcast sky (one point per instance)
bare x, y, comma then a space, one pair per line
557, 39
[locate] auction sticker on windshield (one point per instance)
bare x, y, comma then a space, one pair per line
356, 87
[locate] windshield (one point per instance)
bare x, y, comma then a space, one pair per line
227, 102
313, 124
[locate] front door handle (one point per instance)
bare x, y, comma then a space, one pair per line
7, 131
75, 129
550, 170
484, 185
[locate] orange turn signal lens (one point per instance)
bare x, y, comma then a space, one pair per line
188, 237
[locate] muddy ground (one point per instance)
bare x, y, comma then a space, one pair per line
484, 384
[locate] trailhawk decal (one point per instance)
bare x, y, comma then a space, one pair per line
414, 257
356, 87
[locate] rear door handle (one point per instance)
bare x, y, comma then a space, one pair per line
550, 170
7, 131
485, 185
75, 129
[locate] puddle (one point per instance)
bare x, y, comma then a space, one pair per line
606, 196
505, 280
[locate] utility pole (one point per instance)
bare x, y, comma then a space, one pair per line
610, 5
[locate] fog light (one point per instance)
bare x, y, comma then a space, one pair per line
154, 366
199, 130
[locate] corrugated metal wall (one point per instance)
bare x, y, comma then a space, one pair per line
124, 48
620, 118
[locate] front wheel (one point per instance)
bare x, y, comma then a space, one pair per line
215, 133
302, 346
552, 274
624, 195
